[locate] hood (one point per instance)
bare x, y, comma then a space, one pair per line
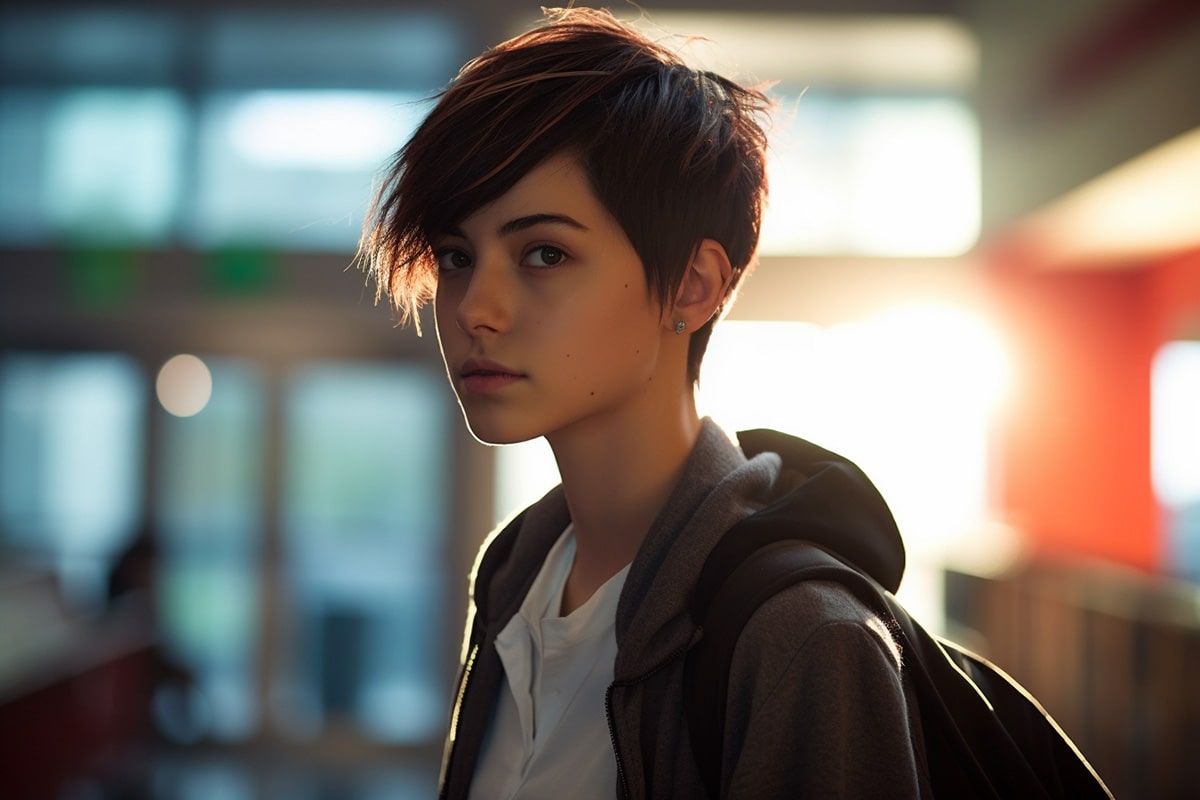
511, 555
830, 502
771, 477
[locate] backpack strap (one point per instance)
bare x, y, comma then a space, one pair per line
969, 741
731, 588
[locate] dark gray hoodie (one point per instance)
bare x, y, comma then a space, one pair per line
817, 706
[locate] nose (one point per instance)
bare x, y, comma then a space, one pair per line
485, 305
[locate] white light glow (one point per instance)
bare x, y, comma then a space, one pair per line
112, 160
184, 385
908, 50
909, 395
1175, 424
524, 472
874, 149
321, 130
914, 179
874, 176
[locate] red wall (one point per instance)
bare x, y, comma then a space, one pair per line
1175, 297
1074, 446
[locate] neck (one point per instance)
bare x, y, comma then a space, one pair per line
615, 486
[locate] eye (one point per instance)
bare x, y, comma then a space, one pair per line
546, 255
450, 259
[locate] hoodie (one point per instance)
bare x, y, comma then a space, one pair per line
817, 705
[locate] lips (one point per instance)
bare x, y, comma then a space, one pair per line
481, 376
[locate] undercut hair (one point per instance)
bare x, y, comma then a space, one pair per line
675, 154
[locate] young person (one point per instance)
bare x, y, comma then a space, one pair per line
580, 207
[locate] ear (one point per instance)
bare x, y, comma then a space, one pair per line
703, 287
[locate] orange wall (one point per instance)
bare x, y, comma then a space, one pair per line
1074, 447
1075, 444
1175, 297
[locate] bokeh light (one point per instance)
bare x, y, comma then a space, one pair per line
184, 385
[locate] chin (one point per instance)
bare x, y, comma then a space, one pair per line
493, 434
496, 441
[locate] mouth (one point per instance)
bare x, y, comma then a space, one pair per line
480, 376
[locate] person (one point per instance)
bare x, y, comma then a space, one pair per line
580, 207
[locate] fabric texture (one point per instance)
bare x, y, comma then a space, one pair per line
545, 734
817, 703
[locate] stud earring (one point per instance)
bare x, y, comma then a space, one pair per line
680, 327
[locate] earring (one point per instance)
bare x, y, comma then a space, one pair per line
680, 327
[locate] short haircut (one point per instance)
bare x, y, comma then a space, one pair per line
675, 154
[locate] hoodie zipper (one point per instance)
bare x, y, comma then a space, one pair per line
468, 665
625, 684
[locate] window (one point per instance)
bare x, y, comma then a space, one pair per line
294, 169
71, 441
219, 128
91, 165
874, 148
872, 175
365, 483
1174, 445
210, 523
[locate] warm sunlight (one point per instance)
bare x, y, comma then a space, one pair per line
908, 395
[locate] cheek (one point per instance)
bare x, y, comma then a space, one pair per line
620, 335
445, 327
443, 312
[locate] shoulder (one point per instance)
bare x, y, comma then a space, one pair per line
815, 659
816, 683
818, 625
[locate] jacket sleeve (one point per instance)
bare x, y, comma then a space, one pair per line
818, 706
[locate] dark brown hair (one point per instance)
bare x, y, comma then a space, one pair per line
676, 155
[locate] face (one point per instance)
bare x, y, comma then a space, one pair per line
543, 314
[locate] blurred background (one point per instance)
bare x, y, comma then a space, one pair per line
237, 504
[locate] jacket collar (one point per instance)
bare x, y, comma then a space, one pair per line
771, 473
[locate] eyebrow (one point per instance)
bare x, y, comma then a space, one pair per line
521, 223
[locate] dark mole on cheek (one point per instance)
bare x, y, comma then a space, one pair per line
593, 394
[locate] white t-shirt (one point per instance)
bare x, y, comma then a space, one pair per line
549, 738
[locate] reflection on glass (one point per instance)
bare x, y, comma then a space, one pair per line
363, 499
